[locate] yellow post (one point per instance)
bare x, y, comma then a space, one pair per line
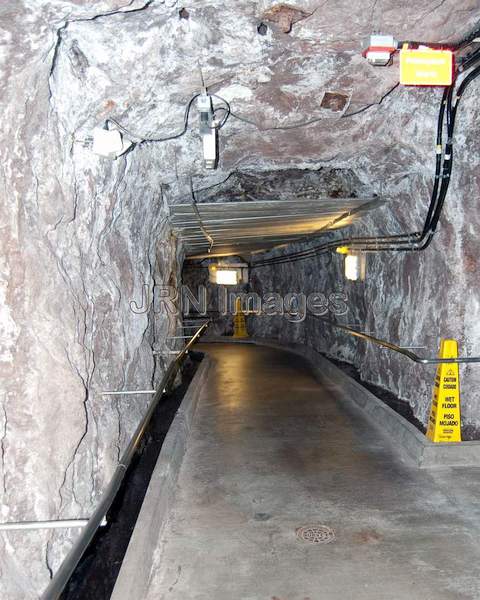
239, 325
444, 420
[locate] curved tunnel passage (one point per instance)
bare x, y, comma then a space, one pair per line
273, 449
149, 149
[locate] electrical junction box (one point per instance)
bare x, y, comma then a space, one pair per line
378, 49
109, 142
426, 67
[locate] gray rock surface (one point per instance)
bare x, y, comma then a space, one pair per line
81, 235
410, 299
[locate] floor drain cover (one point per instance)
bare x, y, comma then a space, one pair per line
316, 534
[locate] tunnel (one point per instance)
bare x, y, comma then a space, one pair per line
240, 336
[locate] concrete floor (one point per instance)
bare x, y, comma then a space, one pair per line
272, 450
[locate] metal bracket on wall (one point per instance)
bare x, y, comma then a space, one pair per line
128, 392
57, 524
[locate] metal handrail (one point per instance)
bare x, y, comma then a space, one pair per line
63, 574
399, 349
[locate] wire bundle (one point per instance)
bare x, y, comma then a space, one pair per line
417, 240
141, 140
404, 242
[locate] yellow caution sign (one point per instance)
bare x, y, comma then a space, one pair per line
426, 67
239, 325
444, 420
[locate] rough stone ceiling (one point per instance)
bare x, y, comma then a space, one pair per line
139, 63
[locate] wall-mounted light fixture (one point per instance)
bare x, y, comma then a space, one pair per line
354, 265
208, 130
228, 273
226, 276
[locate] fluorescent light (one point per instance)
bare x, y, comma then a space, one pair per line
210, 149
226, 273
226, 276
355, 266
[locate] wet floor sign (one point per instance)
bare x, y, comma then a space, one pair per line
444, 420
239, 325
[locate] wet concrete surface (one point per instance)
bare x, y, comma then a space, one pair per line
272, 450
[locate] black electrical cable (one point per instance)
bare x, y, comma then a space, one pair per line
378, 241
417, 240
438, 160
436, 206
175, 135
448, 160
298, 125
458, 45
467, 61
448, 154
468, 39
145, 140
367, 106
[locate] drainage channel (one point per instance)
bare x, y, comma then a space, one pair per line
96, 574
402, 407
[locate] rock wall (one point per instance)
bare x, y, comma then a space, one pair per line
81, 235
410, 299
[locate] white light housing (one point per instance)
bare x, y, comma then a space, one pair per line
210, 149
109, 143
355, 266
378, 58
227, 276
228, 273
207, 130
